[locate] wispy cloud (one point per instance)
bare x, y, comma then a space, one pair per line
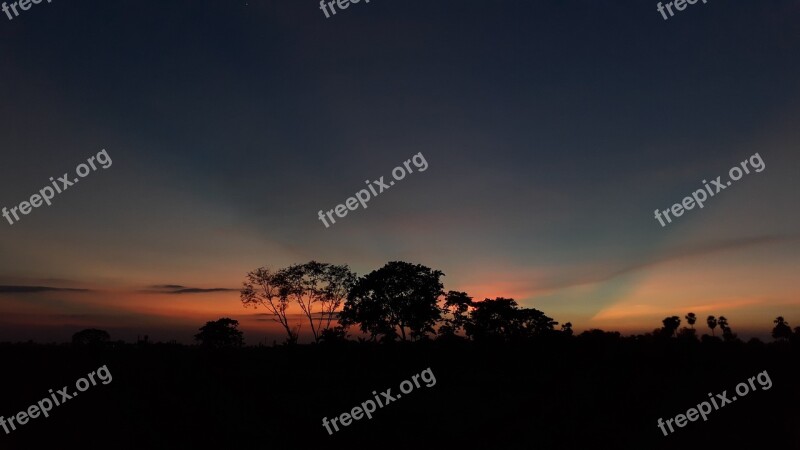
199, 290
180, 289
32, 289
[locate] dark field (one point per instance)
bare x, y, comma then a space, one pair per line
582, 392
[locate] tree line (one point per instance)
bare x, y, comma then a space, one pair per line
781, 331
405, 302
399, 301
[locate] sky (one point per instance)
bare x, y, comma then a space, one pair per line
552, 131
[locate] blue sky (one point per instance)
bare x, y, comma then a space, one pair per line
552, 129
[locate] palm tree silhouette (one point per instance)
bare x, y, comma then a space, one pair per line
671, 325
691, 319
727, 334
712, 323
781, 330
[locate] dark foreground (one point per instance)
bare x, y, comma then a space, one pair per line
577, 393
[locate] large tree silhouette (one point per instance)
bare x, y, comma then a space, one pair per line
315, 283
397, 297
534, 323
220, 334
501, 319
456, 305
492, 319
263, 287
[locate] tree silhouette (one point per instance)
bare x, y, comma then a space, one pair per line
263, 287
315, 283
338, 280
501, 320
567, 328
456, 304
398, 296
727, 334
492, 319
91, 337
712, 323
220, 333
534, 323
671, 325
691, 319
782, 329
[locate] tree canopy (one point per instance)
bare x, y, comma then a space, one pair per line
220, 334
502, 319
399, 299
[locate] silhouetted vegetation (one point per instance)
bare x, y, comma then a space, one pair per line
502, 320
781, 330
521, 377
222, 333
507, 375
407, 302
397, 297
712, 323
316, 287
671, 325
691, 319
91, 337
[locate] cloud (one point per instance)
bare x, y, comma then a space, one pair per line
180, 289
199, 290
32, 289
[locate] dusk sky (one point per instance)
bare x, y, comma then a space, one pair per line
552, 130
